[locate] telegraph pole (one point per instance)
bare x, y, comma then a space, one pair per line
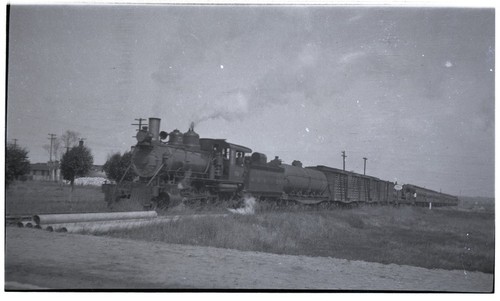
52, 138
15, 142
343, 160
364, 168
140, 120
52, 170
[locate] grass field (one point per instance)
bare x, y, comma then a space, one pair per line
451, 238
33, 197
447, 239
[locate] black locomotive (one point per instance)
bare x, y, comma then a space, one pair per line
187, 168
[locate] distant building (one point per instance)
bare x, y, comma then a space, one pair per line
51, 171
97, 171
39, 172
45, 171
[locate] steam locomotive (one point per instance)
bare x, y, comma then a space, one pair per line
186, 168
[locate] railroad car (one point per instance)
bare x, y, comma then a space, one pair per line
189, 169
425, 197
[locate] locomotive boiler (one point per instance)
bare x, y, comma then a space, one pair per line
183, 168
188, 169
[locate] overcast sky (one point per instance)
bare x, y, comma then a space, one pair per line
411, 89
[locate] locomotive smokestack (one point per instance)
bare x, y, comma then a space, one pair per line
154, 128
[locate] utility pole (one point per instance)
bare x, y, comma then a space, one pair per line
52, 171
140, 120
364, 168
343, 160
15, 142
52, 138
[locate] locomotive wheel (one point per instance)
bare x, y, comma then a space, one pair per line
161, 202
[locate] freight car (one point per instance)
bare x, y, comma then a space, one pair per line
189, 169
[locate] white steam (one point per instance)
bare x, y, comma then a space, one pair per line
249, 207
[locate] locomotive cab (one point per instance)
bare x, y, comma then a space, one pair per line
228, 159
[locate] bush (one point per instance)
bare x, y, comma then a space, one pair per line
116, 166
76, 162
16, 163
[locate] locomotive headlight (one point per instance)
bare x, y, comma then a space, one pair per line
143, 136
163, 135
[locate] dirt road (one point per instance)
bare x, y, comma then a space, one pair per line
38, 259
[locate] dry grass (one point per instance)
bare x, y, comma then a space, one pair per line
447, 239
35, 197
476, 203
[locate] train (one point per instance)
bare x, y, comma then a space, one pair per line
174, 168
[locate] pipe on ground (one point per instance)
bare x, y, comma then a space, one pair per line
26, 224
103, 227
95, 228
89, 217
90, 224
99, 227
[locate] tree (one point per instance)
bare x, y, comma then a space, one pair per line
16, 162
69, 139
116, 166
76, 162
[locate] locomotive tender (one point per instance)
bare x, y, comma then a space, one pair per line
187, 168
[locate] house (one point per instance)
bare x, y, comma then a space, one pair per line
44, 171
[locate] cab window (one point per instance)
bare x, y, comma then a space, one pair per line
239, 158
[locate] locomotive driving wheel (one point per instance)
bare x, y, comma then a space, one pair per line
161, 202
153, 205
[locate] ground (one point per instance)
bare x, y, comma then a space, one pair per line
37, 259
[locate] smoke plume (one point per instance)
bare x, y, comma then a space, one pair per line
234, 105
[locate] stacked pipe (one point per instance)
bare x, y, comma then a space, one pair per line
92, 217
106, 226
27, 224
93, 222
